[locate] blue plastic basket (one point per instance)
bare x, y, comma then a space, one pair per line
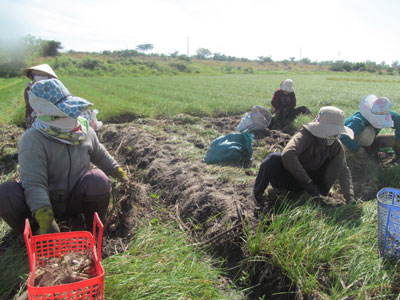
389, 221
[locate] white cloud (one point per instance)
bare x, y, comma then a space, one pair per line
324, 30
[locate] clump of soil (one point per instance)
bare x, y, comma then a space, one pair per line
70, 268
223, 124
130, 205
9, 137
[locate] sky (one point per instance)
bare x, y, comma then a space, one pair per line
351, 30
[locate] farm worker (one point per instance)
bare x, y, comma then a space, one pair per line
35, 73
284, 103
312, 160
55, 157
374, 114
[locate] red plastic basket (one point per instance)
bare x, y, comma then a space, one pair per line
57, 245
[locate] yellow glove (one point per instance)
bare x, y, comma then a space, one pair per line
45, 218
396, 148
120, 174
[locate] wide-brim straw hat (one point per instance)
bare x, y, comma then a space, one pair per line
330, 122
287, 85
377, 111
44, 69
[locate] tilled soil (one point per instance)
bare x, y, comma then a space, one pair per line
196, 198
202, 203
214, 209
212, 206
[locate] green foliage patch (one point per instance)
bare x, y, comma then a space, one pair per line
13, 262
201, 95
161, 264
330, 253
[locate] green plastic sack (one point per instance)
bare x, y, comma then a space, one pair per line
231, 148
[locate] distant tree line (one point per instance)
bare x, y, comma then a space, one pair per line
335, 66
16, 56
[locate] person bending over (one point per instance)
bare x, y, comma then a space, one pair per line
311, 161
374, 115
55, 164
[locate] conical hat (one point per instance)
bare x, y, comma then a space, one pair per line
44, 69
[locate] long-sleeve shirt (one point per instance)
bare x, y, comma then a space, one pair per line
358, 123
307, 153
280, 100
49, 169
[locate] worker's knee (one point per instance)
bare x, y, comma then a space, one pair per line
95, 183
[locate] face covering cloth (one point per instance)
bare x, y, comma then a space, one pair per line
66, 130
330, 140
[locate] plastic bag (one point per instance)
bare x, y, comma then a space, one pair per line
233, 147
261, 117
257, 119
245, 123
90, 115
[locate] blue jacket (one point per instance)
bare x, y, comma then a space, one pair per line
358, 123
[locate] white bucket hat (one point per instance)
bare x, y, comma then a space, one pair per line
330, 122
43, 69
287, 85
377, 111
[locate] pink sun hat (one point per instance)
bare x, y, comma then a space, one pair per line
377, 111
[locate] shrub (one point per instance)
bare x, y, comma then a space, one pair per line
337, 67
359, 66
184, 57
50, 48
90, 63
11, 68
181, 67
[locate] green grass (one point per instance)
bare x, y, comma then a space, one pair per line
391, 177
161, 264
220, 95
12, 103
199, 95
13, 263
330, 253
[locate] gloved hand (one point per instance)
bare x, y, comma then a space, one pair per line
311, 189
396, 148
120, 174
45, 218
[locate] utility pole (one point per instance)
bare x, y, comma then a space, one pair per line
300, 54
188, 46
